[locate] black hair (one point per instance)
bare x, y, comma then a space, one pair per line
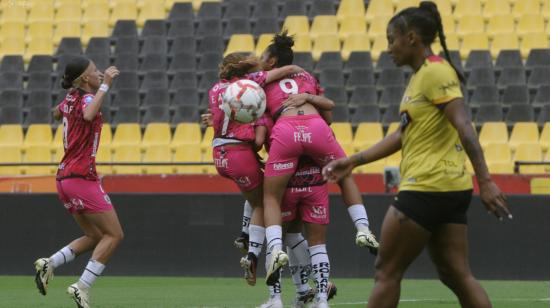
281, 48
426, 20
75, 67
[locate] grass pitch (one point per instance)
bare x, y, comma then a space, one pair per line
171, 292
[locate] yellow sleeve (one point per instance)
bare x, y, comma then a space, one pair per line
440, 83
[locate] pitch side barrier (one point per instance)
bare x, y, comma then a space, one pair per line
192, 235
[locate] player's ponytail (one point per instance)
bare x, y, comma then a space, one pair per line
281, 48
74, 69
237, 65
431, 8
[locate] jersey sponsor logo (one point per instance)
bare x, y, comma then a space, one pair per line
243, 181
302, 136
76, 203
87, 99
458, 148
405, 119
221, 162
449, 85
286, 214
283, 166
67, 109
319, 212
107, 199
301, 189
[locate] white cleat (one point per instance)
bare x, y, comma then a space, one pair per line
44, 273
320, 303
365, 238
272, 303
278, 259
79, 295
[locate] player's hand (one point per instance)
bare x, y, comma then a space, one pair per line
110, 73
206, 119
295, 100
493, 199
337, 170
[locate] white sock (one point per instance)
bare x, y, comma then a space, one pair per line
256, 239
90, 274
247, 214
274, 290
65, 255
274, 235
359, 216
321, 269
299, 261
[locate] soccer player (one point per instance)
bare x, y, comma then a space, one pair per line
299, 130
435, 136
78, 185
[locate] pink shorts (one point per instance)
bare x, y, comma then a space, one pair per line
311, 201
295, 136
239, 163
81, 195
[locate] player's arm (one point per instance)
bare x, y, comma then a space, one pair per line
57, 115
260, 132
319, 102
492, 197
280, 72
91, 110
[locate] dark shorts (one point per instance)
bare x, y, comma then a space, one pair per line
431, 209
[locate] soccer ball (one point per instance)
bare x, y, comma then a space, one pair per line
244, 101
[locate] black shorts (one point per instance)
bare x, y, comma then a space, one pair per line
431, 209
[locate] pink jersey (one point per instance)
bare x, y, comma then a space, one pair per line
223, 127
308, 174
80, 137
278, 91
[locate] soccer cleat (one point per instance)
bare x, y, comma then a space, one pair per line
331, 290
365, 238
44, 272
278, 259
241, 242
274, 302
79, 295
302, 299
320, 303
249, 263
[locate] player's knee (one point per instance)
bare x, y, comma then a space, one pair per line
94, 236
385, 272
453, 277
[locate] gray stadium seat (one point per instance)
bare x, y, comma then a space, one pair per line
12, 63
237, 9
154, 62
337, 94
332, 77
210, 10
544, 115
99, 45
126, 80
126, 114
508, 58
12, 97
322, 7
154, 27
489, 113
183, 61
209, 61
360, 77
212, 44
186, 96
62, 61
39, 98
543, 95
455, 58
184, 80
183, 44
11, 115
181, 11
127, 45
515, 94
540, 75
157, 96
520, 113
265, 25
391, 115
384, 62
392, 95
186, 113
478, 59
40, 63
39, 81
69, 45
364, 95
126, 97
154, 80
124, 28
304, 60
484, 95
329, 60
340, 113
293, 7
512, 76
359, 59
209, 78
101, 61
366, 113
209, 27
38, 115
181, 27
538, 57
391, 77
237, 26
154, 44
11, 80
155, 114
481, 76
127, 62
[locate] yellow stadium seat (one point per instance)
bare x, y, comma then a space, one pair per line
127, 134
379, 25
106, 136
13, 13
348, 8
352, 25
540, 186
449, 24
494, 8
151, 10
474, 41
94, 28
392, 127
188, 154
208, 158
240, 43
206, 142
263, 41
302, 43
69, 12
60, 3
529, 152
378, 8
38, 135
503, 23
404, 4
197, 3
546, 9
66, 29
501, 168
374, 167
544, 137
325, 43
57, 141
96, 11
470, 24
493, 132
33, 3
380, 44
467, 7
296, 25
355, 42
323, 25
532, 41
38, 154
103, 155
366, 135
58, 153
532, 23
11, 135
526, 7
394, 160
498, 153
452, 43
41, 13
343, 132
187, 134
503, 41
87, 3
10, 154
127, 154
12, 29
523, 132
12, 46
444, 7
123, 10
348, 148
158, 154
39, 46
157, 134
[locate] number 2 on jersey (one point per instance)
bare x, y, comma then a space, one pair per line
289, 86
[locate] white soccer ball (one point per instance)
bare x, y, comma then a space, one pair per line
244, 101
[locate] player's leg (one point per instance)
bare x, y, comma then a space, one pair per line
256, 235
299, 262
274, 300
241, 242
402, 240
